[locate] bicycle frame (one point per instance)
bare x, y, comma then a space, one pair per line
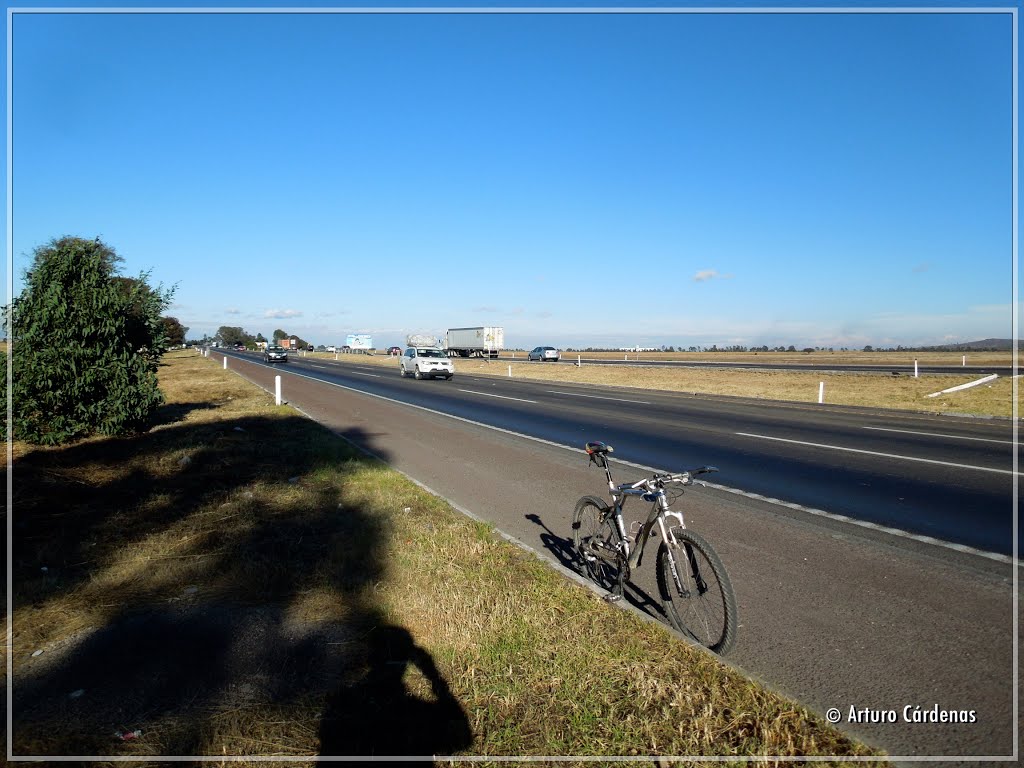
633, 556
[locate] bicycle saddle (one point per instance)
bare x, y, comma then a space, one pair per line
598, 447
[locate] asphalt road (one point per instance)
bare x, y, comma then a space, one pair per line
834, 613
941, 477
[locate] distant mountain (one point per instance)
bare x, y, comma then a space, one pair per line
992, 345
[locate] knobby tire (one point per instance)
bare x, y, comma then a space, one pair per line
591, 526
706, 611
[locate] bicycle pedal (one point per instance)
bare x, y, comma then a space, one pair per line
611, 597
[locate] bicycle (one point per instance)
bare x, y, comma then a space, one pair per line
698, 598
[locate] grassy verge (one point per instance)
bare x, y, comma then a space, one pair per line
239, 582
860, 389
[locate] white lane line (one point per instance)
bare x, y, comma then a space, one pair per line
314, 365
360, 373
935, 434
503, 397
599, 397
876, 453
576, 450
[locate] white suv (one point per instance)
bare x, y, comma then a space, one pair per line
424, 362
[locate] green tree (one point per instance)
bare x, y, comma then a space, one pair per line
231, 335
85, 345
174, 331
279, 334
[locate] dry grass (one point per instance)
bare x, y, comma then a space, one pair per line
902, 392
817, 358
238, 581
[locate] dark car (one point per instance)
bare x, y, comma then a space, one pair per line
240, 347
394, 350
275, 354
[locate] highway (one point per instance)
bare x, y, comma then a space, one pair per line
943, 477
837, 613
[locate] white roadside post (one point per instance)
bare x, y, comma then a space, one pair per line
578, 361
510, 371
277, 389
821, 392
963, 363
225, 362
915, 369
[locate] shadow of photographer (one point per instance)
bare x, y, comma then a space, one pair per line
380, 714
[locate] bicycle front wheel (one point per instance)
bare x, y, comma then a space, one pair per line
696, 591
596, 540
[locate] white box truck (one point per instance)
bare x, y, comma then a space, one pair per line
482, 341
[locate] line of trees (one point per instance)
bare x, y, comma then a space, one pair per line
715, 348
988, 345
230, 335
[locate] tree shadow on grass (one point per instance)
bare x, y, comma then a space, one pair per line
172, 413
257, 608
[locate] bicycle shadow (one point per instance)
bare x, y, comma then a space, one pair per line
380, 715
561, 548
564, 550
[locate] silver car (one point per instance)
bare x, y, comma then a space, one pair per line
545, 353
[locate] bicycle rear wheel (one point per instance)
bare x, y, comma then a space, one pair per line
594, 534
700, 603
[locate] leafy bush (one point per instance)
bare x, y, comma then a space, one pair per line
85, 345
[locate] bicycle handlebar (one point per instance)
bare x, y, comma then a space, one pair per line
658, 481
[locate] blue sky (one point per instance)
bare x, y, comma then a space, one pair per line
580, 179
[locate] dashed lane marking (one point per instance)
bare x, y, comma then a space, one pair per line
503, 397
877, 453
935, 434
599, 397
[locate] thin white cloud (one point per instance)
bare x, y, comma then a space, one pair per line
709, 274
283, 314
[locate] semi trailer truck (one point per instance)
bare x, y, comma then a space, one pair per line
481, 341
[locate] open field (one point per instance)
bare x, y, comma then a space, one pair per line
882, 359
239, 581
841, 388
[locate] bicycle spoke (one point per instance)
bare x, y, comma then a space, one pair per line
701, 605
